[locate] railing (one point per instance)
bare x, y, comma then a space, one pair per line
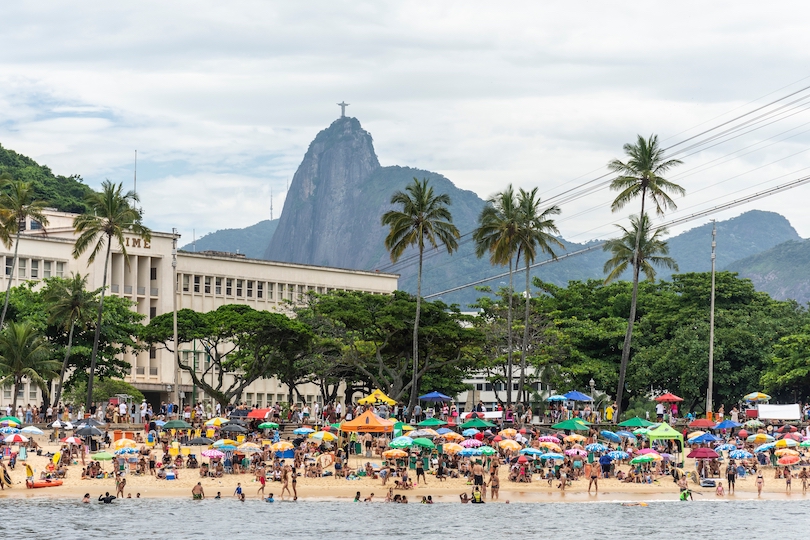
153, 291
153, 371
142, 291
140, 370
127, 289
114, 287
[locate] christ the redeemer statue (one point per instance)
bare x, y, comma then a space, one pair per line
343, 106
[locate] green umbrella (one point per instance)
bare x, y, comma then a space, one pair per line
476, 423
12, 419
487, 450
636, 422
429, 422
102, 456
401, 442
336, 425
176, 424
423, 442
646, 458
268, 425
573, 424
640, 431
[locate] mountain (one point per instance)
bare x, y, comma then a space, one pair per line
782, 271
65, 193
252, 241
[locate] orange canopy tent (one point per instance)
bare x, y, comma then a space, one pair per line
368, 422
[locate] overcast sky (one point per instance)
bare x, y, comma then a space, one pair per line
221, 99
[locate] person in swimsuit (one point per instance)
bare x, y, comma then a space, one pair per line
478, 476
294, 484
238, 491
420, 471
731, 477
803, 477
760, 484
197, 492
788, 477
494, 486
106, 498
594, 481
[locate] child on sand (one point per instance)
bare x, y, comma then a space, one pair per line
720, 491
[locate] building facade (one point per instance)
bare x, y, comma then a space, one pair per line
205, 281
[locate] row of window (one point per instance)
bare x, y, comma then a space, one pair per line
247, 288
35, 268
33, 393
501, 387
279, 398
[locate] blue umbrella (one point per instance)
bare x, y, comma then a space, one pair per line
226, 448
596, 447
725, 448
434, 396
618, 454
557, 398
761, 449
552, 455
609, 435
444, 430
740, 454
532, 451
9, 430
303, 431
160, 423
705, 438
727, 424
470, 432
626, 434
467, 452
577, 396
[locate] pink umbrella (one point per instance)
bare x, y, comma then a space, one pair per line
15, 438
549, 438
72, 440
576, 452
215, 454
471, 443
647, 451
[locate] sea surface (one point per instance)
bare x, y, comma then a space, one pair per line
227, 518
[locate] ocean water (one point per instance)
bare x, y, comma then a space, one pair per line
227, 518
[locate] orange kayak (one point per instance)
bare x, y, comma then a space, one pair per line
42, 483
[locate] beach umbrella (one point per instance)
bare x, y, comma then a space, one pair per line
596, 447
200, 441
575, 438
249, 448
552, 455
759, 438
727, 424
549, 438
647, 458
635, 422
761, 449
610, 436
435, 396
668, 398
453, 436
230, 428
471, 443
423, 442
216, 422
467, 452
268, 425
431, 422
725, 448
742, 434
476, 423
102, 456
470, 432
395, 454
15, 438
572, 424
62, 425
804, 444
444, 431
227, 447
618, 454
756, 396
754, 424
626, 435
32, 430
88, 431
788, 428
322, 436
10, 423
508, 433
230, 442
740, 454
576, 452
577, 396
9, 430
794, 436
90, 422
705, 438
550, 446
303, 430
694, 435
123, 443
788, 460
703, 453
124, 451
213, 454
523, 459
452, 448
786, 443
701, 423
72, 440
532, 452
786, 452
647, 451
487, 451
640, 431
177, 424
425, 432
557, 398
508, 444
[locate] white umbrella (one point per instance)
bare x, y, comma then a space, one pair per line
63, 425
32, 430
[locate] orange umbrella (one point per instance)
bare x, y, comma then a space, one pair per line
786, 452
453, 436
508, 433
788, 460
508, 444
394, 454
452, 448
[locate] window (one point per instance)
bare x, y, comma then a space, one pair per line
34, 269
152, 353
218, 282
250, 289
9, 266
186, 355
152, 312
290, 291
320, 290
301, 290
32, 391
196, 283
488, 387
270, 287
260, 289
249, 399
185, 282
479, 386
21, 392
7, 392
229, 287
46, 269
21, 268
207, 284
60, 269
153, 274
35, 225
239, 284
281, 291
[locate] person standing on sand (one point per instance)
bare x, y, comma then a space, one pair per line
803, 477
731, 477
285, 480
494, 485
788, 477
760, 484
120, 484
197, 492
478, 475
262, 478
594, 481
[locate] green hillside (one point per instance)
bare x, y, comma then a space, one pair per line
65, 193
252, 241
782, 271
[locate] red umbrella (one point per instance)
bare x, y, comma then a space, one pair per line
668, 398
522, 459
787, 428
703, 453
794, 436
260, 414
702, 423
743, 434
788, 460
497, 438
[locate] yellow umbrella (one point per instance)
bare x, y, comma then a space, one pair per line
377, 396
394, 454
508, 433
785, 443
406, 427
223, 442
695, 434
550, 445
452, 448
123, 443
322, 436
574, 438
249, 446
786, 452
453, 436
216, 422
508, 444
281, 446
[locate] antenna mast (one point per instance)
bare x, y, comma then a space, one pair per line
271, 204
135, 186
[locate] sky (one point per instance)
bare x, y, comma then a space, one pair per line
221, 99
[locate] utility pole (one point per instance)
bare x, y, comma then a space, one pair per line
176, 359
711, 327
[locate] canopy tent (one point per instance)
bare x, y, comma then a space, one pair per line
573, 395
377, 396
434, 396
573, 424
665, 432
368, 422
259, 414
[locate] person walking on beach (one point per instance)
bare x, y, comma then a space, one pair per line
731, 477
788, 477
420, 471
238, 491
803, 477
120, 484
760, 484
285, 480
197, 492
262, 478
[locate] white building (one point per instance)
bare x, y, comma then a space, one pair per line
205, 281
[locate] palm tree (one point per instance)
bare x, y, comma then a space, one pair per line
536, 227
424, 217
17, 204
111, 213
69, 304
24, 353
498, 233
640, 175
652, 250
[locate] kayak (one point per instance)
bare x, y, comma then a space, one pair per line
42, 483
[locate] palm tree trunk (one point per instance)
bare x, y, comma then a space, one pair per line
414, 390
509, 340
58, 395
17, 381
628, 337
97, 335
10, 277
523, 396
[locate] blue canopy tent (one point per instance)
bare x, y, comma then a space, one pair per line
705, 438
573, 395
434, 396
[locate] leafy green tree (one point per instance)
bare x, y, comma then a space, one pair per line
788, 368
652, 250
17, 204
24, 353
423, 218
103, 390
498, 233
111, 214
641, 176
69, 304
